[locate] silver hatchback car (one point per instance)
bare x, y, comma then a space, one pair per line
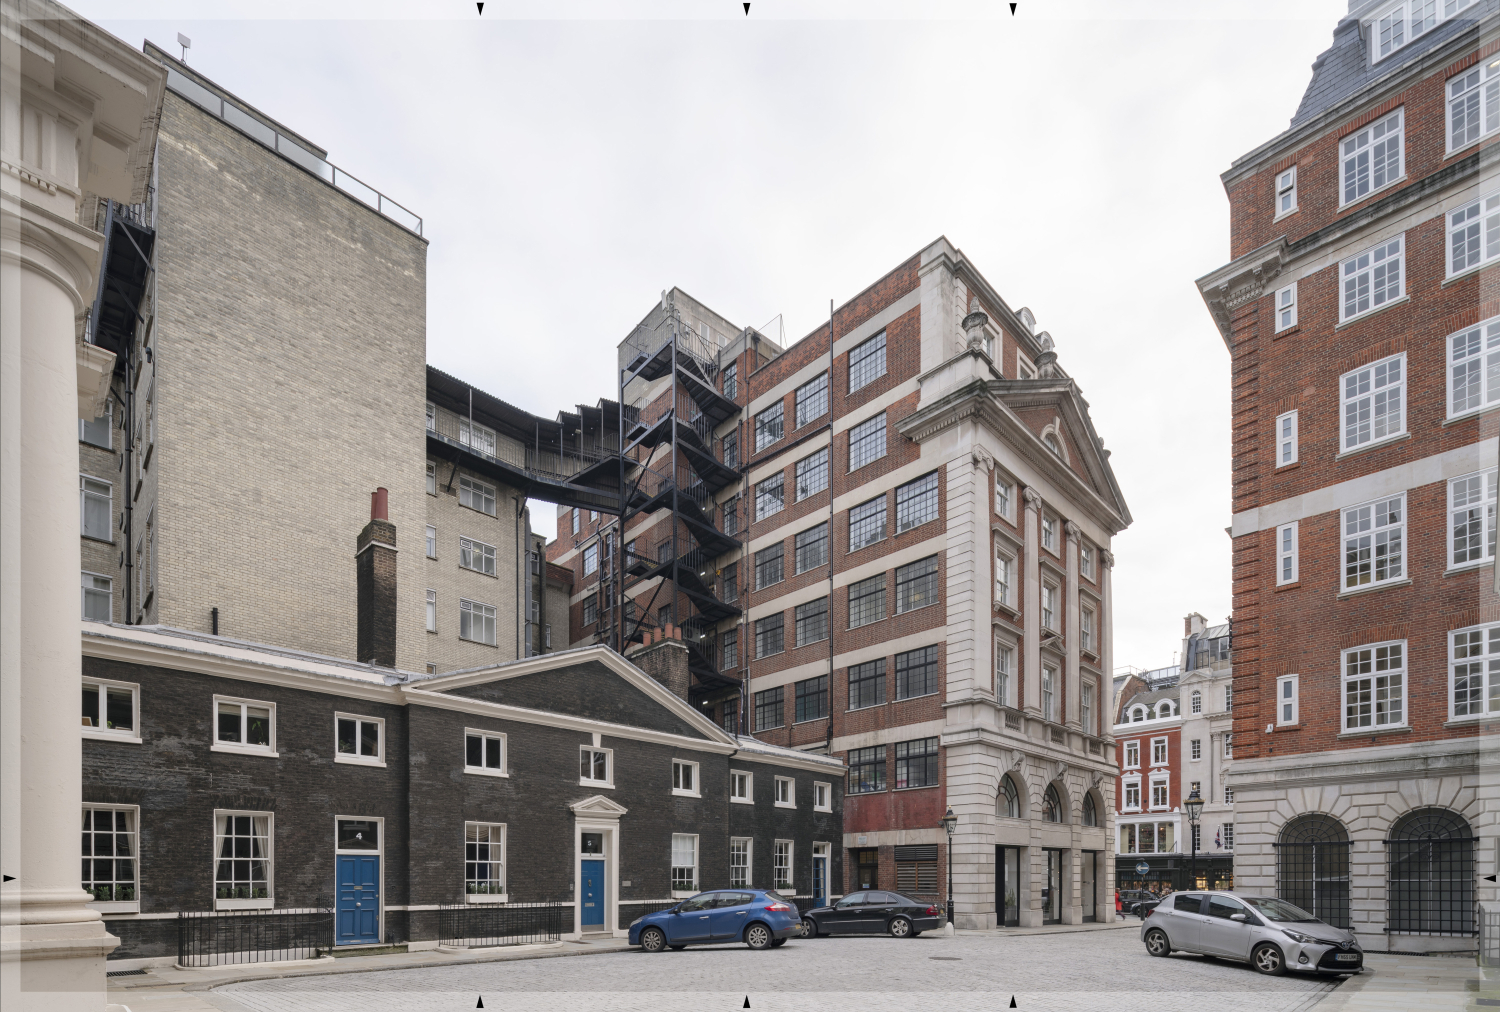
1273, 935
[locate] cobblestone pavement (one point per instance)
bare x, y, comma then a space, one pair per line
1106, 970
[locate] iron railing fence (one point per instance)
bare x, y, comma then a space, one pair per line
475, 925
1315, 876
225, 938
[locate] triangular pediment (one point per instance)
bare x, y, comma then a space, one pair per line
598, 805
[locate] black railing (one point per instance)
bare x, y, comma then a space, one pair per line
1489, 935
214, 938
1315, 876
473, 925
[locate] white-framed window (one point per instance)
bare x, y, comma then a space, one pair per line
741, 787
784, 792
1132, 755
822, 797
1196, 702
1286, 191
770, 496
1372, 157
484, 752
1286, 307
484, 862
1286, 554
1374, 686
1375, 542
100, 431
577, 520
1474, 233
1473, 104
1049, 607
867, 442
1004, 665
111, 710
431, 417
596, 766
431, 478
1137, 713
1407, 21
244, 860
358, 739
1004, 575
1005, 497
1049, 693
244, 725
1086, 560
98, 598
1159, 792
480, 557
1471, 518
476, 436
770, 425
1372, 279
476, 622
590, 558
1474, 366
1086, 630
1132, 788
1474, 671
111, 870
781, 864
684, 863
1158, 751
867, 362
476, 495
811, 399
739, 861
1286, 439
1086, 697
431, 611
1229, 797
812, 474
917, 502
432, 542
1286, 699
1196, 748
1373, 402
1229, 699
95, 508
1049, 534
685, 778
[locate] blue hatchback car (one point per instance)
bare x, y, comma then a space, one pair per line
758, 917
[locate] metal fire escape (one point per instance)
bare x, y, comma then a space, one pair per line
672, 463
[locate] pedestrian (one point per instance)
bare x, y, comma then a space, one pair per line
1119, 906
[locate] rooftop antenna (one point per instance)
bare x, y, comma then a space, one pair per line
186, 44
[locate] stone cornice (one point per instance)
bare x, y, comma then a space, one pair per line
1241, 281
1419, 761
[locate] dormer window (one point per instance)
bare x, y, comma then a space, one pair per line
1164, 709
1138, 714
1408, 21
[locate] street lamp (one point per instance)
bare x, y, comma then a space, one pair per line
1194, 806
950, 823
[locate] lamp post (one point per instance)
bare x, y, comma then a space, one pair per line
950, 822
1194, 806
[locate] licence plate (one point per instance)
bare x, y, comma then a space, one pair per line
1347, 957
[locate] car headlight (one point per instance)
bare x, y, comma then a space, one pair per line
1298, 936
637, 921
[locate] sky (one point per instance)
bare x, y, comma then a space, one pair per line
572, 159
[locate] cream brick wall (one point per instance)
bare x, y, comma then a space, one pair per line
290, 352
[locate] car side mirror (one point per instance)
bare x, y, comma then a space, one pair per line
1242, 918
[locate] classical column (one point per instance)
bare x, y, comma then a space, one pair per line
1070, 677
60, 136
1031, 604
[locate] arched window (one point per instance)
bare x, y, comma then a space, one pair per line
1010, 799
1430, 877
1051, 805
1090, 811
1164, 708
1312, 860
1052, 443
1139, 713
1197, 701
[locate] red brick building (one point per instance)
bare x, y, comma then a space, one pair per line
1360, 314
907, 567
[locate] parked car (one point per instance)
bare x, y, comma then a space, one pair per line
872, 911
1274, 936
1131, 899
760, 918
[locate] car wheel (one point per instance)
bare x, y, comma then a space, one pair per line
778, 942
653, 940
1267, 959
1157, 943
900, 927
810, 928
758, 936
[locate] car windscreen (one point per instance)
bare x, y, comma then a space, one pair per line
1281, 910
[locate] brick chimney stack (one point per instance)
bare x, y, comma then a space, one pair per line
666, 660
375, 582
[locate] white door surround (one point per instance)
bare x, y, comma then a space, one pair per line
598, 814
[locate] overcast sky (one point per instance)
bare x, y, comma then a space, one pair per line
571, 160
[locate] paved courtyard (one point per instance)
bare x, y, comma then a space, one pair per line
1093, 970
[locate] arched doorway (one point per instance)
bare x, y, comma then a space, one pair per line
1430, 874
1312, 865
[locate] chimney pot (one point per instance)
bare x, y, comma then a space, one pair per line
380, 508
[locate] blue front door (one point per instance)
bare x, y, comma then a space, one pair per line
592, 896
359, 899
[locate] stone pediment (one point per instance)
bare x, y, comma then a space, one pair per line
598, 807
